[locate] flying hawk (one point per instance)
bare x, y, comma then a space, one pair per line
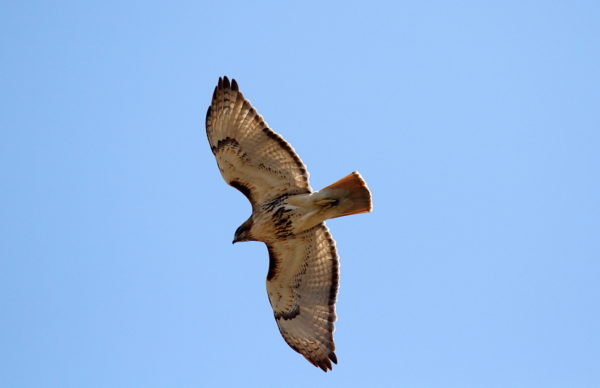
288, 216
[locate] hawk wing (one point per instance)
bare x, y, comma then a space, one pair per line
302, 285
251, 157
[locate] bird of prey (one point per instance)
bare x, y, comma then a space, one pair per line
288, 216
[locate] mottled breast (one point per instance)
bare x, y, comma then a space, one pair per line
274, 220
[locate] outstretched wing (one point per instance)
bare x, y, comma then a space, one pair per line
302, 285
251, 157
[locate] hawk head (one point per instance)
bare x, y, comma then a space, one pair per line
243, 232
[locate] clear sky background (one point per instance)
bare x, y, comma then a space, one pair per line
475, 124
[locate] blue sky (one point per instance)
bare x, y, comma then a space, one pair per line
475, 124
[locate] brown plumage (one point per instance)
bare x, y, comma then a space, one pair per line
303, 275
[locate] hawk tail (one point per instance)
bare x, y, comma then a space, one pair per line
350, 195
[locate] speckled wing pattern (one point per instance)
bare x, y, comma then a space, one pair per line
302, 285
251, 157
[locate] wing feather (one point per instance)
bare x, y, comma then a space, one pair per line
302, 286
250, 155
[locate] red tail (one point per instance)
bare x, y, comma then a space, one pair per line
352, 194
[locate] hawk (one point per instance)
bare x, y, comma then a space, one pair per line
288, 216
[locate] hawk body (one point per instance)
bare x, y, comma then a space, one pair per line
288, 216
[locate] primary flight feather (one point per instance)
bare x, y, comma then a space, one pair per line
303, 276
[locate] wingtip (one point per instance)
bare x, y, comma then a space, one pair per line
224, 83
325, 363
333, 357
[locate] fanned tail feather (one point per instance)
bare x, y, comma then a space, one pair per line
350, 195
